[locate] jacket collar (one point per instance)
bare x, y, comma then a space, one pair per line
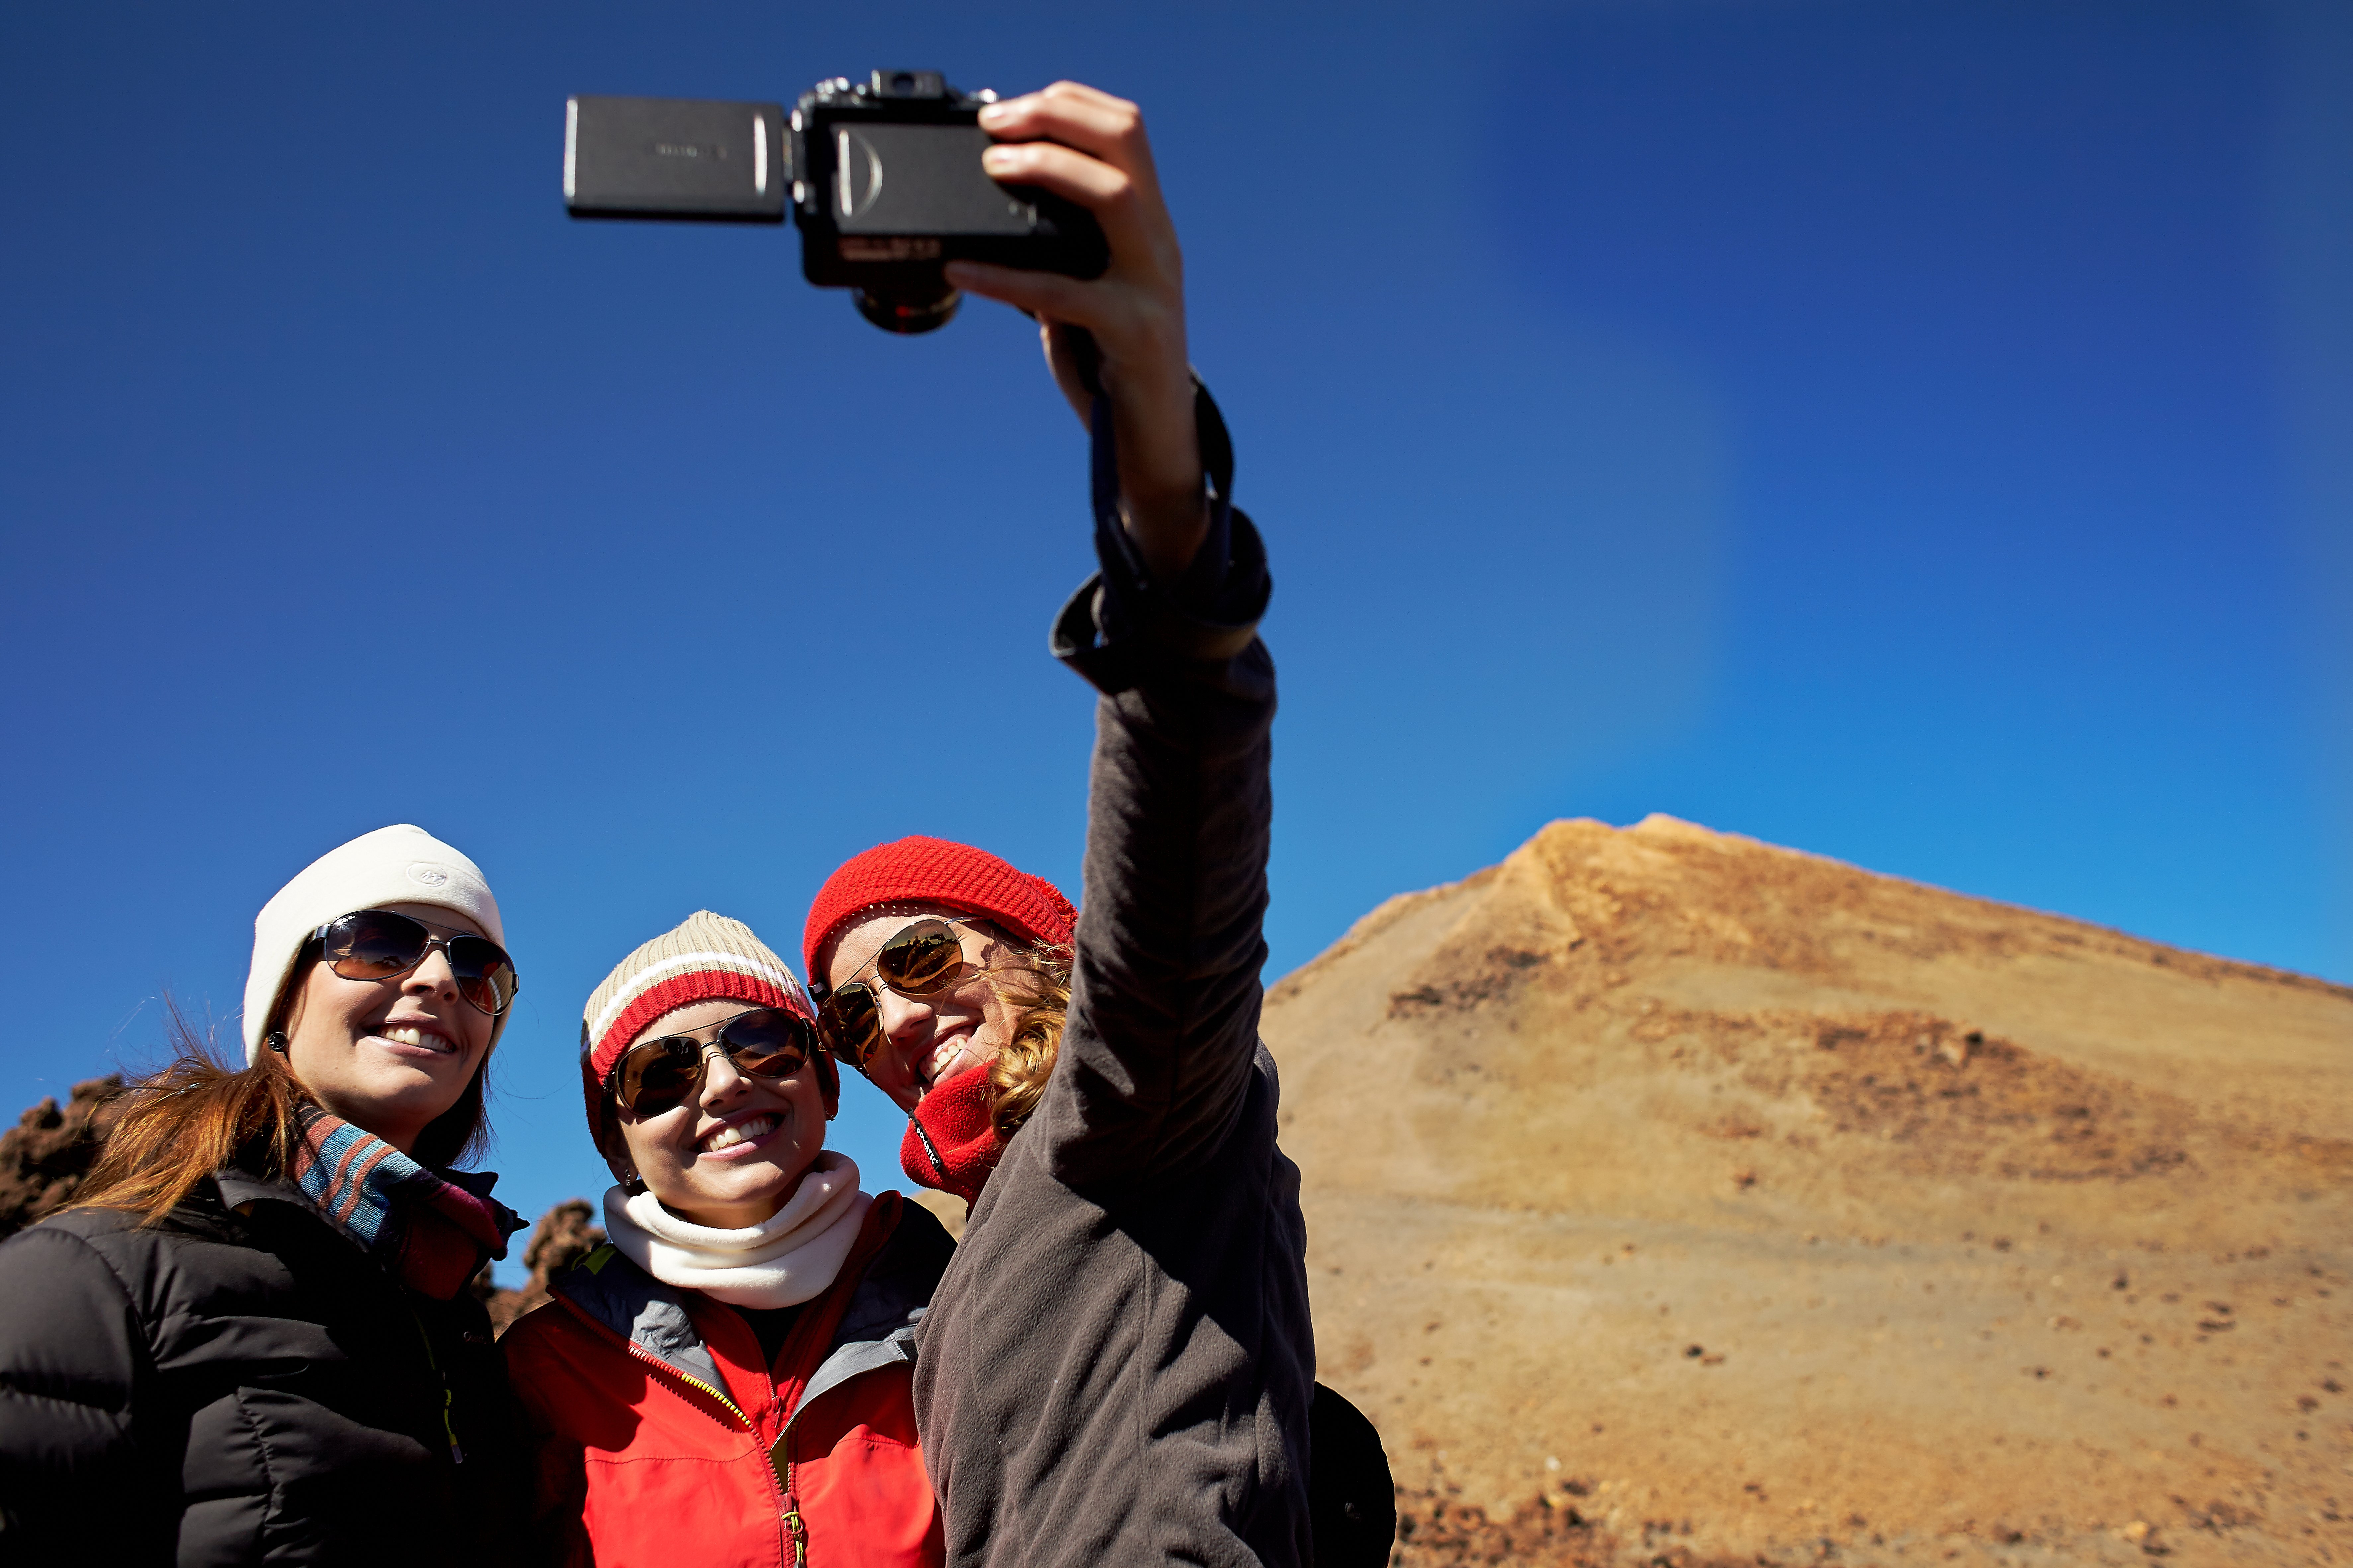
238, 1187
877, 1328
639, 1308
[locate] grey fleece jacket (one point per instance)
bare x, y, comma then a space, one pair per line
1118, 1364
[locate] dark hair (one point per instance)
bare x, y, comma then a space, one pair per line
199, 1114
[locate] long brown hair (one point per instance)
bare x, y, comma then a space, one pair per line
199, 1114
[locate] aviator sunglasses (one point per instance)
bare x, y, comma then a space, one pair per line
376, 944
659, 1075
920, 962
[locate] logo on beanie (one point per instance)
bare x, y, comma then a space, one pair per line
425, 873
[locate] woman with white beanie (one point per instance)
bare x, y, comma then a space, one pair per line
728, 1380
251, 1340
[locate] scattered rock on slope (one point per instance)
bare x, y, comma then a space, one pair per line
1735, 1201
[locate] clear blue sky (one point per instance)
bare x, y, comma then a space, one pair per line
1921, 434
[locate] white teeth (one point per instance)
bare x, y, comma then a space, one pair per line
410, 1035
740, 1133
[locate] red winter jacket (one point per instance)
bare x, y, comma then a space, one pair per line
662, 1440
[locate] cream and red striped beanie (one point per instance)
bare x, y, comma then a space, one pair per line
704, 958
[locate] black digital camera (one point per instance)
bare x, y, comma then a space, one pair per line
885, 177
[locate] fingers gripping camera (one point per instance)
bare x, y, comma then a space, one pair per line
883, 176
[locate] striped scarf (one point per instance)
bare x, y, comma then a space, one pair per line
432, 1229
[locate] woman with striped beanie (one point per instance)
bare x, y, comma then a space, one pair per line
727, 1379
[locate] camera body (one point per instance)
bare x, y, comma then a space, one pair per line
883, 177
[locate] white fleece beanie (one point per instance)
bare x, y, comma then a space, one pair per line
401, 864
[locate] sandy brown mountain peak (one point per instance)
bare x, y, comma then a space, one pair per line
1675, 1193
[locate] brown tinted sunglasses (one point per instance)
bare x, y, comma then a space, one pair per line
655, 1076
922, 961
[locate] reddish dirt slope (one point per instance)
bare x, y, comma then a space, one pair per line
1673, 1195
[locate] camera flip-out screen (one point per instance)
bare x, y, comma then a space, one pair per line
921, 179
670, 157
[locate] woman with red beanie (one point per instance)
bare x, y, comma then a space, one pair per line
1117, 1366
726, 1380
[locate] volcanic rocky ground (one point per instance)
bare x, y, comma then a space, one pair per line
1673, 1196
1678, 1199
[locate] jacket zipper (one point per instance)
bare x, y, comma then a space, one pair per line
795, 1526
716, 1395
784, 1471
448, 1424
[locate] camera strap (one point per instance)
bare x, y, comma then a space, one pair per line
1111, 628
1113, 542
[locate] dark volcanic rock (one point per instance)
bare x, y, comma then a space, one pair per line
44, 1156
562, 1238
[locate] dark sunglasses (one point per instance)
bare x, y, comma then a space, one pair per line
376, 944
920, 962
655, 1076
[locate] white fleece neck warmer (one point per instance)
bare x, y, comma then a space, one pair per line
787, 1259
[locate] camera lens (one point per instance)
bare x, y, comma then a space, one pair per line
909, 310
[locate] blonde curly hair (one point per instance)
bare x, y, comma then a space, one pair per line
1039, 989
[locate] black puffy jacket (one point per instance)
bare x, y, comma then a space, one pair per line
242, 1385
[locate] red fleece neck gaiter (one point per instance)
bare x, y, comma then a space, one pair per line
957, 1117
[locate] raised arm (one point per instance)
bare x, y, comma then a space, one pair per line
1130, 322
1162, 1033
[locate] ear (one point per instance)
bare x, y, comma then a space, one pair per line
287, 1016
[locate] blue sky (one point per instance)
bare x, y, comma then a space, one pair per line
1914, 433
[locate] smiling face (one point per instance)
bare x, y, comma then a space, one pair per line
730, 1156
928, 1040
387, 1055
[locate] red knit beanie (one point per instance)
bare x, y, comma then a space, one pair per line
935, 871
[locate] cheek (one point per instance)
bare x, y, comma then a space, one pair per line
1002, 1015
332, 1004
650, 1143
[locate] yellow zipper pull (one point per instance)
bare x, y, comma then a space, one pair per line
798, 1530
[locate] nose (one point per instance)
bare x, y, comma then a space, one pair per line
433, 977
907, 1027
905, 1019
720, 1081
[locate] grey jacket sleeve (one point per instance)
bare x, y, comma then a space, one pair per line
1162, 1033
73, 1357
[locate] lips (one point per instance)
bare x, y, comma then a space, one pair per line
943, 1055
418, 1036
735, 1134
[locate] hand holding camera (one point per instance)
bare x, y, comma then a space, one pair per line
908, 192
